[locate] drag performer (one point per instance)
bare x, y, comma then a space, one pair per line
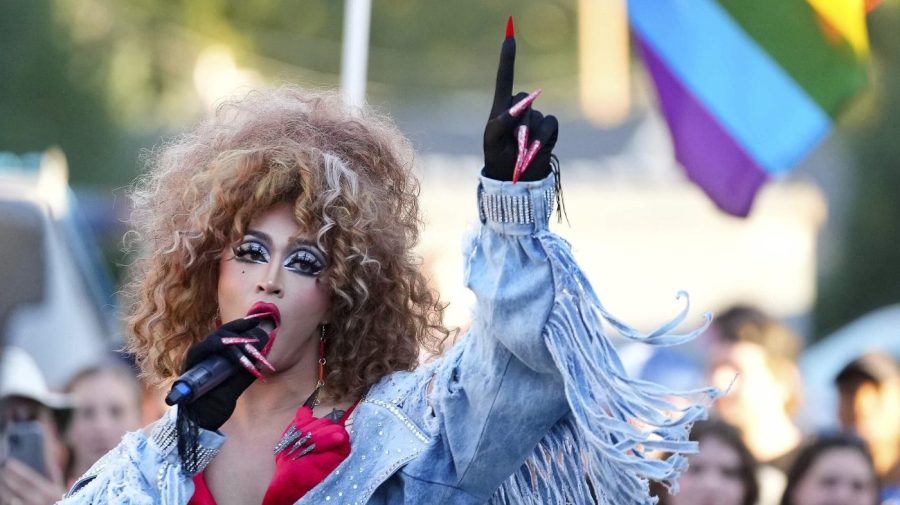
292, 218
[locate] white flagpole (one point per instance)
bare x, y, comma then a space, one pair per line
355, 54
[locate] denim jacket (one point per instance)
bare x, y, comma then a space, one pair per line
531, 406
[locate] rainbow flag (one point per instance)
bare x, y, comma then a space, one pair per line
748, 87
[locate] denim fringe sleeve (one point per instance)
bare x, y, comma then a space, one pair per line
602, 449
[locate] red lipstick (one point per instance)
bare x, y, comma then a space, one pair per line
266, 311
263, 309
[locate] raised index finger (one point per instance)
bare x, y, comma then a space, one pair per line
505, 70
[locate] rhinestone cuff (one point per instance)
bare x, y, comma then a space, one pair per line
165, 437
511, 209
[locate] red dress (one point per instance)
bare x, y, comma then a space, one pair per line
311, 448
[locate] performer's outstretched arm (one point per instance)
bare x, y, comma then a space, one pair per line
535, 390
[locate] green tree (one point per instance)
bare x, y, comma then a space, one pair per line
44, 102
868, 272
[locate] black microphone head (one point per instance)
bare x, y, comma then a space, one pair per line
178, 394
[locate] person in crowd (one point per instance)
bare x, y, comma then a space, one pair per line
31, 420
107, 401
832, 470
278, 236
869, 406
755, 355
723, 472
752, 355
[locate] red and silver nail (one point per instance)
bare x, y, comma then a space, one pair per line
522, 140
532, 152
245, 362
517, 109
239, 340
258, 356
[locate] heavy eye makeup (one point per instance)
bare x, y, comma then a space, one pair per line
305, 259
251, 251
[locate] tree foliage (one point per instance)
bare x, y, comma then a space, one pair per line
101, 77
44, 100
868, 272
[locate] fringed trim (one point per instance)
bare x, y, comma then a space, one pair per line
557, 186
555, 473
188, 437
602, 451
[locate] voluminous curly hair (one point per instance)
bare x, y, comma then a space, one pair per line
347, 173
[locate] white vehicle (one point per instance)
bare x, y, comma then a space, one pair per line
56, 298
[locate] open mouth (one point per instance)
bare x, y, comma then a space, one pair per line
270, 320
268, 312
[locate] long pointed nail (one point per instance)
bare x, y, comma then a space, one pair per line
532, 152
292, 434
517, 109
259, 357
517, 174
510, 29
239, 340
298, 444
310, 448
522, 140
245, 362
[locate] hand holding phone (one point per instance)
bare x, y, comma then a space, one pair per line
24, 441
24, 473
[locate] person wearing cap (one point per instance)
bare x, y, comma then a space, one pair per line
25, 398
869, 406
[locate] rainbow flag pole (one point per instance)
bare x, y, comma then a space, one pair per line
748, 88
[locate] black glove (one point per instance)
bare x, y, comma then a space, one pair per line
500, 143
211, 410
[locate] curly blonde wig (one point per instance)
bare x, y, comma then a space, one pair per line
348, 175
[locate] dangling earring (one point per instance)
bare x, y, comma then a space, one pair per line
321, 383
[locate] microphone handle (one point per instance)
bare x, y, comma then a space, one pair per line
201, 378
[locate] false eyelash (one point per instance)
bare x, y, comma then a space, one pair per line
251, 247
312, 262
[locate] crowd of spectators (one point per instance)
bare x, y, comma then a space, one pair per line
753, 451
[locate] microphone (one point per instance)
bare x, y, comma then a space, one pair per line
206, 375
202, 377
